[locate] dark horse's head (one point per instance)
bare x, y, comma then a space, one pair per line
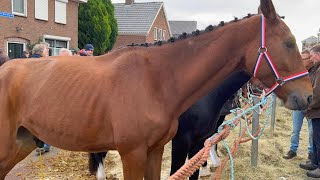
280, 66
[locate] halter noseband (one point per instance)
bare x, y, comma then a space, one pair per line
263, 51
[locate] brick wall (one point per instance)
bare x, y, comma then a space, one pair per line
160, 23
33, 29
124, 40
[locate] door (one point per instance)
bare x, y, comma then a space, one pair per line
15, 50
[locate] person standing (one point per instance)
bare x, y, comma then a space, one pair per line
87, 51
75, 51
25, 54
38, 51
3, 57
297, 120
65, 52
313, 113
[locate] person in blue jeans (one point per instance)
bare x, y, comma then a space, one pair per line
313, 112
297, 119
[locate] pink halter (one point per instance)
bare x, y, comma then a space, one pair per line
263, 51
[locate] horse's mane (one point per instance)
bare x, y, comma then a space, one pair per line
185, 35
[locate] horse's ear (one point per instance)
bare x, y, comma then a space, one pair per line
268, 10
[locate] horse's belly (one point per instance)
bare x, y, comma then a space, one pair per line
73, 136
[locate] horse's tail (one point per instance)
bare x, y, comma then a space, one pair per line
93, 164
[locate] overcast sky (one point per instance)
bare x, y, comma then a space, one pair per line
302, 16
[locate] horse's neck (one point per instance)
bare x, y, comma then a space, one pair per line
197, 65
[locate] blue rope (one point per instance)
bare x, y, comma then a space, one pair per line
230, 122
268, 115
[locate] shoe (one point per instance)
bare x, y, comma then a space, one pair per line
314, 174
308, 166
42, 150
291, 154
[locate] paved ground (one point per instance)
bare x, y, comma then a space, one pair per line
23, 168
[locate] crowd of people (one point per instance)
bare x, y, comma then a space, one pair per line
42, 50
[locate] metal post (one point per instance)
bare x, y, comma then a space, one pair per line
255, 126
273, 112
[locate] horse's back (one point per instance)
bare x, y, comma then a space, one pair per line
56, 95
72, 95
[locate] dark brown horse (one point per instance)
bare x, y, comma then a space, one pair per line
130, 100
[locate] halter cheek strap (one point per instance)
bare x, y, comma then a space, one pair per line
263, 52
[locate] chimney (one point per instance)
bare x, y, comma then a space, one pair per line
129, 2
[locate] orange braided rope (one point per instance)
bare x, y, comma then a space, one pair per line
196, 161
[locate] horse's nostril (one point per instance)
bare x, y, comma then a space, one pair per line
309, 99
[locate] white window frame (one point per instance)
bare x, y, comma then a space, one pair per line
41, 13
57, 12
160, 35
56, 38
155, 34
164, 35
17, 13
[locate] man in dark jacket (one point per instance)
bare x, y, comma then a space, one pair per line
298, 119
313, 113
38, 51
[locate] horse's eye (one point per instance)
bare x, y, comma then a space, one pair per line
290, 44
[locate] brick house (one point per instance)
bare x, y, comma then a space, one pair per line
52, 21
141, 22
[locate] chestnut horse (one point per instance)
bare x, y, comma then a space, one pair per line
130, 100
197, 124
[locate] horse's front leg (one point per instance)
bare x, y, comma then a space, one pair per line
13, 149
134, 163
154, 160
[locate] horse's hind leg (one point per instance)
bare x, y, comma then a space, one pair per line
193, 151
180, 148
14, 148
154, 160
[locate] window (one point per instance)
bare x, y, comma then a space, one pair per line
41, 9
164, 35
56, 43
19, 7
60, 11
160, 34
55, 46
155, 34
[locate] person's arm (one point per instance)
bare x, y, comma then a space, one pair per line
315, 104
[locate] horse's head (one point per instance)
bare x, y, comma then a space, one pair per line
279, 66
